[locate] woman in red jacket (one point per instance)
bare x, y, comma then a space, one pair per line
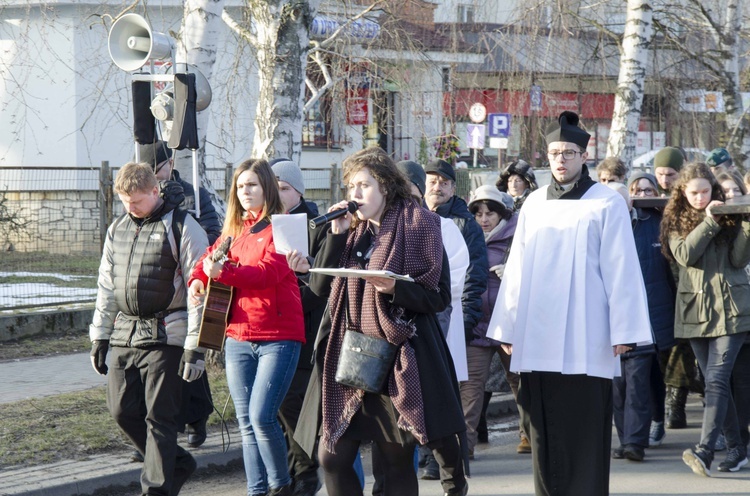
265, 329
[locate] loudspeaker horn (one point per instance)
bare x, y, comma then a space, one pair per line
132, 43
162, 106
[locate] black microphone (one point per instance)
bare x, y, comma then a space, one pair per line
351, 207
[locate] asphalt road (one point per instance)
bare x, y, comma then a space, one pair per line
498, 470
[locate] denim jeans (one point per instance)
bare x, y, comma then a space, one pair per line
716, 357
258, 376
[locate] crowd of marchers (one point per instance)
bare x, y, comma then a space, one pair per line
444, 299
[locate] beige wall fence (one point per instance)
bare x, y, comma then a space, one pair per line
53, 221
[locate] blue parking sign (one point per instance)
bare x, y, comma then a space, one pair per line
499, 125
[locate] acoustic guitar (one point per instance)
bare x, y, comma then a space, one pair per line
216, 306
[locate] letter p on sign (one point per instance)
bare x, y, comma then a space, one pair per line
499, 125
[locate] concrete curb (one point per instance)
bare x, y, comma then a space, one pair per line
99, 474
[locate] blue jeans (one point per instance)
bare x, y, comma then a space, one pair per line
716, 357
258, 376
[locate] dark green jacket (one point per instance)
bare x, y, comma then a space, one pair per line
713, 294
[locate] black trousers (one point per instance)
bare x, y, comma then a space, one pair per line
197, 403
569, 422
632, 400
301, 466
148, 377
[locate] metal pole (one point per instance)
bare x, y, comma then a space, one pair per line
196, 185
475, 157
105, 203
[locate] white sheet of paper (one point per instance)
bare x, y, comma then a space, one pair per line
290, 233
361, 273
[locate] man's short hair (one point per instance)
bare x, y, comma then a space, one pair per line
613, 166
135, 176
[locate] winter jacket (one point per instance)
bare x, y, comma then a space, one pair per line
498, 246
266, 303
209, 218
477, 273
713, 294
313, 306
437, 378
657, 276
142, 296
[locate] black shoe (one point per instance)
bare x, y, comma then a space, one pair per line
618, 453
281, 491
136, 456
184, 468
431, 471
735, 460
460, 492
699, 460
633, 452
196, 433
307, 486
483, 437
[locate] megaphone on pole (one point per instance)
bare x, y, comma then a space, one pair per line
132, 43
162, 105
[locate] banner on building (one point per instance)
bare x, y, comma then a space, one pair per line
357, 84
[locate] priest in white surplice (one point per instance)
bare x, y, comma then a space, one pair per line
571, 300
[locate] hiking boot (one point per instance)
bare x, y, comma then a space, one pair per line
676, 399
633, 452
699, 460
656, 434
524, 447
735, 460
431, 470
196, 433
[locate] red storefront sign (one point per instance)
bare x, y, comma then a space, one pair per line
356, 110
591, 106
357, 85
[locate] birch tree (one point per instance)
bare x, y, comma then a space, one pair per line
197, 45
631, 80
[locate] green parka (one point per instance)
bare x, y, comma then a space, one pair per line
713, 294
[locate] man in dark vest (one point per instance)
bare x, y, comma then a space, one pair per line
142, 315
197, 403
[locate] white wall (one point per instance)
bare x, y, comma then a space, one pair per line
489, 11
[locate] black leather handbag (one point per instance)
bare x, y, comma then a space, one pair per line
365, 362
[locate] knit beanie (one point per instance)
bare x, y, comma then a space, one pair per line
669, 156
289, 172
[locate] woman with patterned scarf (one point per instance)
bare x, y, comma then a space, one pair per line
389, 231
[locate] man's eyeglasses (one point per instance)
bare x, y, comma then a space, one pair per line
567, 154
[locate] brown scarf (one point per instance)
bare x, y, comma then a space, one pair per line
408, 243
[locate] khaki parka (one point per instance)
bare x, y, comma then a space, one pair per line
713, 294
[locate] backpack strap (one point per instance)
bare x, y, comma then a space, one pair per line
178, 221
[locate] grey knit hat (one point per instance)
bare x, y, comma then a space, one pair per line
289, 172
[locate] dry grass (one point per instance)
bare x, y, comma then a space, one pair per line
74, 426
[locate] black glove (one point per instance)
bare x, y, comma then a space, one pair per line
192, 365
99, 350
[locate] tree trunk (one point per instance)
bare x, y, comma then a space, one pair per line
281, 42
630, 83
736, 124
197, 44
